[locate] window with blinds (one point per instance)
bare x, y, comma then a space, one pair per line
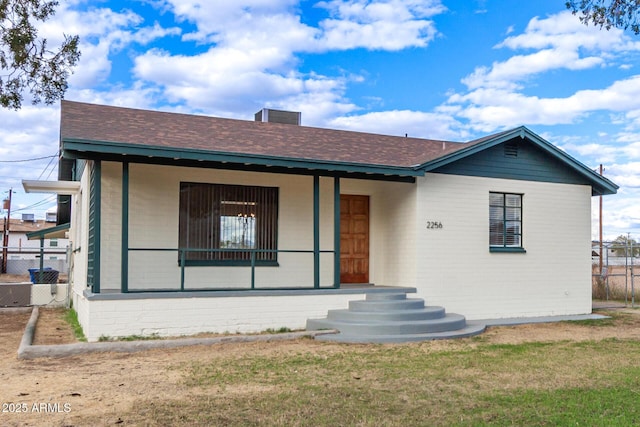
214, 217
505, 220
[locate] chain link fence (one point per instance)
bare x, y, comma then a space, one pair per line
31, 276
616, 271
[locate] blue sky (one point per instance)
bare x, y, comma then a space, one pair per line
439, 69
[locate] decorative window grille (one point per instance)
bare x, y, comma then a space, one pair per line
242, 219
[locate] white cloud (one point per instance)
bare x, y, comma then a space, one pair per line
621, 214
102, 31
507, 74
226, 81
564, 30
319, 104
559, 41
388, 25
492, 108
400, 122
27, 134
253, 52
626, 174
214, 19
137, 96
495, 97
600, 153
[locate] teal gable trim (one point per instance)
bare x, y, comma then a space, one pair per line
530, 164
536, 160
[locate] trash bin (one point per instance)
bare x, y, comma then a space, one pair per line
49, 275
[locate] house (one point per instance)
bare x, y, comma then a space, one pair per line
182, 224
23, 253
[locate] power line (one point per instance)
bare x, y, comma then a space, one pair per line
28, 160
45, 169
49, 199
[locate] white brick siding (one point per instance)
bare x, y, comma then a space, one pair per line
189, 316
456, 269
451, 266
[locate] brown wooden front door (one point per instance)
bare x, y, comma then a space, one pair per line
354, 239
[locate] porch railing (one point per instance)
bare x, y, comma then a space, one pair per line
182, 260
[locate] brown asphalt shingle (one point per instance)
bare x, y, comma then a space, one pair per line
90, 122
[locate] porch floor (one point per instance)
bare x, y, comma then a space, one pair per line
346, 289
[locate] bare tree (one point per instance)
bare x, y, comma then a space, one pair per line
607, 13
625, 246
26, 62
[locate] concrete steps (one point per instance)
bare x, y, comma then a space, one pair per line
392, 318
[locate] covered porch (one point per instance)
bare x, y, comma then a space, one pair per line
130, 244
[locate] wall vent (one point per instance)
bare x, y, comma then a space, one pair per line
278, 116
511, 150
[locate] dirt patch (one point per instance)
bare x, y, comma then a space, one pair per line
103, 386
52, 328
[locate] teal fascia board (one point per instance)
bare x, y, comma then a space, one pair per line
44, 234
599, 184
76, 148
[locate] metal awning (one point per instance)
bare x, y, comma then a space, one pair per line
63, 188
57, 232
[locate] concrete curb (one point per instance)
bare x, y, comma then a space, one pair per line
13, 310
29, 332
29, 351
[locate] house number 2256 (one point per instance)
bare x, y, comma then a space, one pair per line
434, 225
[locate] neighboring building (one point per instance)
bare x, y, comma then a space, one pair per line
18, 229
183, 224
23, 253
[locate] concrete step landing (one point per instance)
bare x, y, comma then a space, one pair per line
393, 318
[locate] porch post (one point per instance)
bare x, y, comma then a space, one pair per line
316, 231
336, 232
41, 259
124, 249
97, 223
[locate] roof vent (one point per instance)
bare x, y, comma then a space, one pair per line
278, 116
511, 150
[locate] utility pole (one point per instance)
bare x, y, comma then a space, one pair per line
600, 225
5, 235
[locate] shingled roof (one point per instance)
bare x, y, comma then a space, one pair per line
99, 132
99, 123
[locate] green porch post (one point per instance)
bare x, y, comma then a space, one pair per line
124, 264
41, 259
316, 231
336, 232
97, 223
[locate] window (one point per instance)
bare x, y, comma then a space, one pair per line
235, 217
505, 222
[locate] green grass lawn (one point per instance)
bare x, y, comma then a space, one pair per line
469, 382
